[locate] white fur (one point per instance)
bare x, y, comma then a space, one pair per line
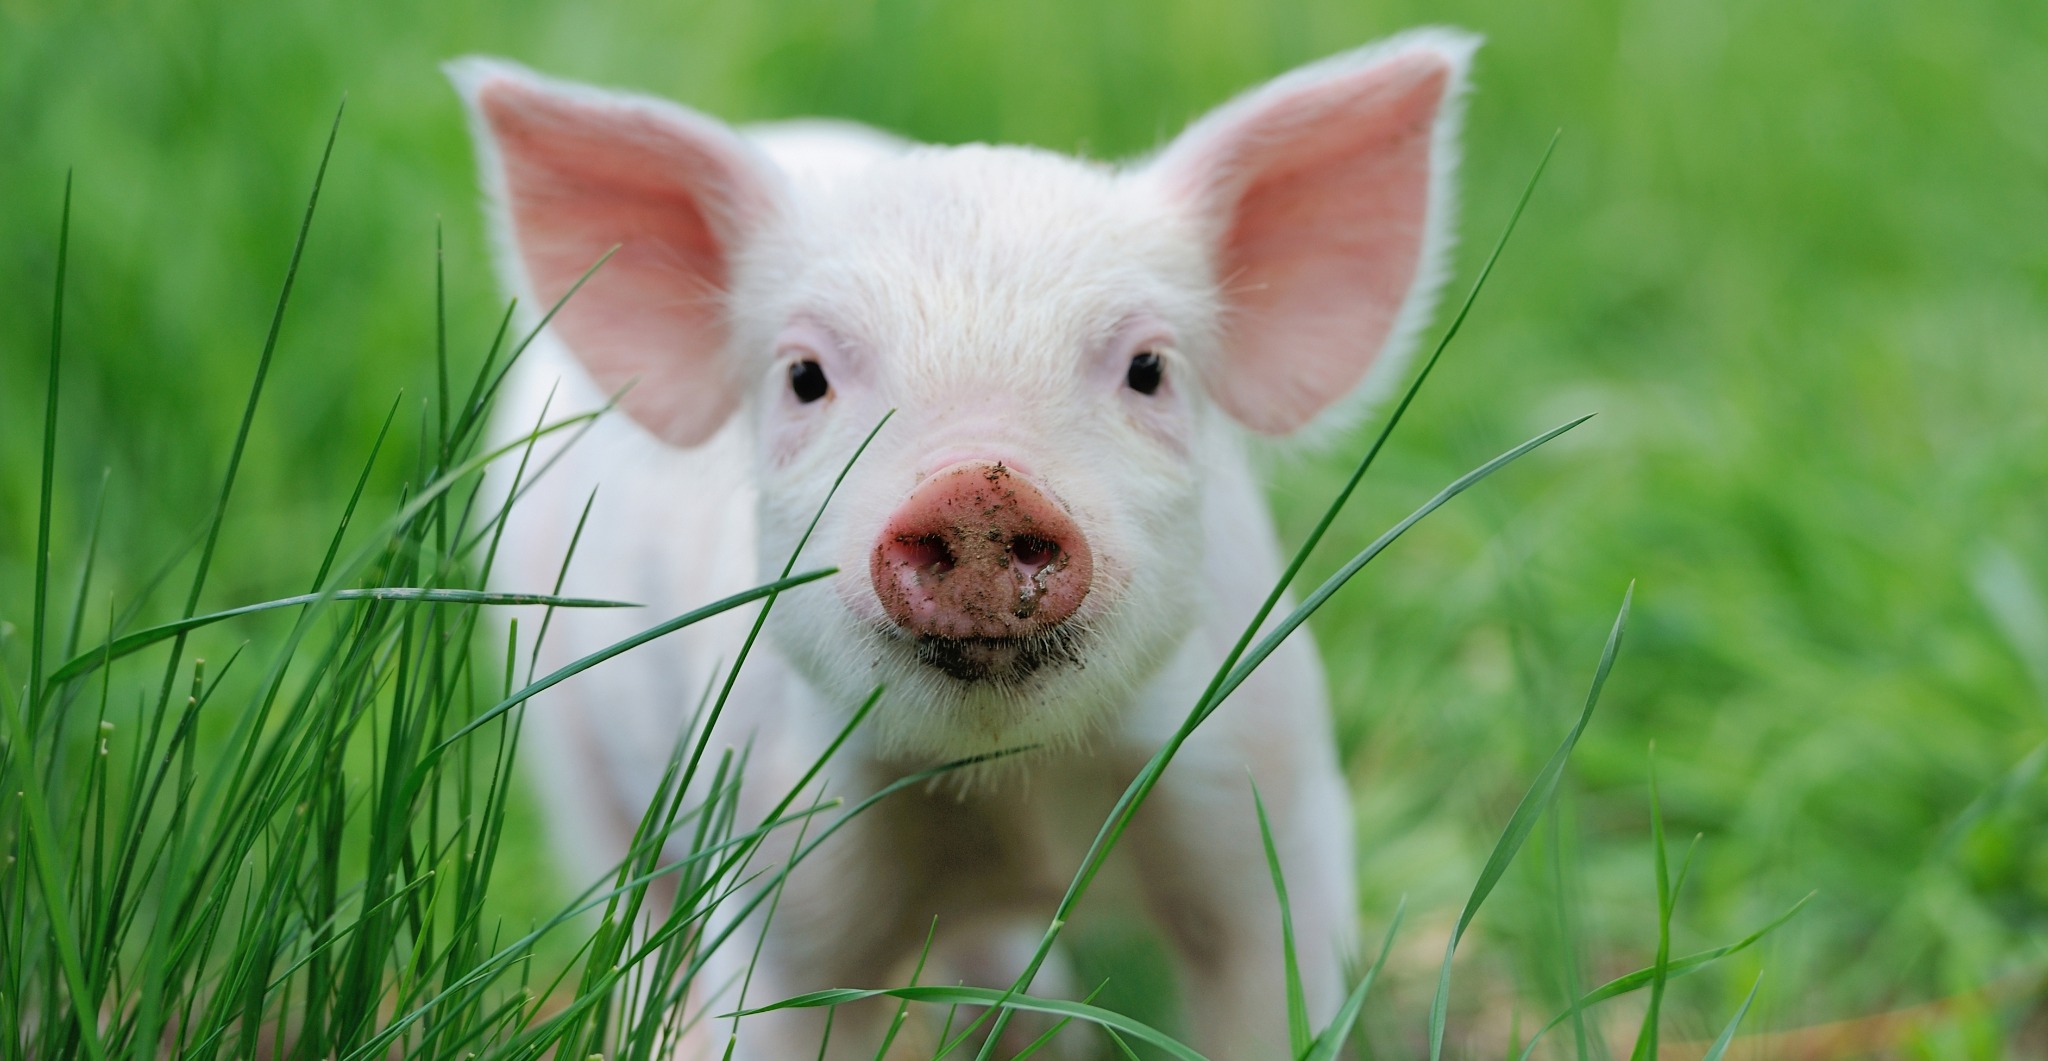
981, 292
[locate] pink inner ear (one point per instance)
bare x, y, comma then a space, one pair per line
583, 176
1325, 191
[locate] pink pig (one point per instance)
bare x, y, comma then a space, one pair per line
1052, 543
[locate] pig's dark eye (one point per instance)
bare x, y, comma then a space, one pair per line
807, 381
1146, 373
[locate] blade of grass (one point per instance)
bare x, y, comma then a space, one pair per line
488, 382
40, 836
39, 619
902, 1007
1666, 904
1271, 642
355, 497
263, 362
92, 556
561, 578
1646, 1039
1727, 1036
39, 826
1636, 981
1331, 1041
651, 633
761, 617
247, 728
1533, 804
442, 426
1299, 1038
86, 662
1567, 939
148, 1006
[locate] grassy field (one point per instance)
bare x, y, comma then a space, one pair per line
1794, 255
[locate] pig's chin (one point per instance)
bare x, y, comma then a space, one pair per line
999, 661
956, 698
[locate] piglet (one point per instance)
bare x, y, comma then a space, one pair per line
1050, 545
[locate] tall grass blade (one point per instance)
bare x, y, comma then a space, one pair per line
1646, 1039
1533, 804
1299, 1037
263, 362
1567, 939
902, 1007
1636, 981
1727, 1036
355, 497
761, 617
92, 557
39, 618
442, 426
1332, 1040
41, 836
1309, 606
86, 662
41, 833
659, 630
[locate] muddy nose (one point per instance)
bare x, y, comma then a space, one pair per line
977, 551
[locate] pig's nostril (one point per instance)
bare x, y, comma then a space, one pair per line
927, 553
1032, 551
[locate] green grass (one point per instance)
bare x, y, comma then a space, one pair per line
1790, 254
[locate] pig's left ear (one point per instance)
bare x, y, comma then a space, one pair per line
573, 173
1326, 197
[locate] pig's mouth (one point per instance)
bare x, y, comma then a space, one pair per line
999, 660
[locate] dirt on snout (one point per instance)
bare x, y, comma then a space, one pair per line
981, 553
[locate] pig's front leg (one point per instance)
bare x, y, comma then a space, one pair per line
1204, 871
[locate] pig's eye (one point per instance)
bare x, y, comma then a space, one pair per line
1146, 373
807, 381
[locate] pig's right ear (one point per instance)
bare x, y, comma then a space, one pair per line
1325, 198
573, 173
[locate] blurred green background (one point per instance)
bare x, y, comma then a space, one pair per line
1794, 254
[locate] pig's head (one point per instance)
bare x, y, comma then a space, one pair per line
1067, 347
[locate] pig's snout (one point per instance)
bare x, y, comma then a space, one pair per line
977, 552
